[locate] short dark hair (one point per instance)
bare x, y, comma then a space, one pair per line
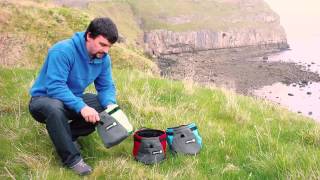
103, 26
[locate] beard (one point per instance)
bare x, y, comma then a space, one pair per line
99, 55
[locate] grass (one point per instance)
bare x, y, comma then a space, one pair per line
121, 13
29, 30
244, 137
37, 28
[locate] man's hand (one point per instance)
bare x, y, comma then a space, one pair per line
90, 114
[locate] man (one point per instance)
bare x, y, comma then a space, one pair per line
57, 94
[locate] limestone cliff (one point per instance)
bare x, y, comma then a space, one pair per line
248, 25
160, 42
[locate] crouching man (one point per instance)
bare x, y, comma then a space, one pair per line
57, 94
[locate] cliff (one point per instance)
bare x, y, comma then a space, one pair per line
211, 25
160, 42
182, 26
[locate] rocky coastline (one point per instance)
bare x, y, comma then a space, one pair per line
240, 69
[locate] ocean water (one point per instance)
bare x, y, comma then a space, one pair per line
301, 20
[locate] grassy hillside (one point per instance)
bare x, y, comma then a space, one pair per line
35, 29
28, 29
181, 15
243, 137
121, 12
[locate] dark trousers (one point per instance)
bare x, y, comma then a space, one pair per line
56, 116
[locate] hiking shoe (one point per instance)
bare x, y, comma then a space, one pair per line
82, 168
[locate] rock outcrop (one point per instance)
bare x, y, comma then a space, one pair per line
251, 23
161, 42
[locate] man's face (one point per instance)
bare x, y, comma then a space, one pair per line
97, 47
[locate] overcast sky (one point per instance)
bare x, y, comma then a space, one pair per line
299, 17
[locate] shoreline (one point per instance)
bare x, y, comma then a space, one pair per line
250, 72
242, 70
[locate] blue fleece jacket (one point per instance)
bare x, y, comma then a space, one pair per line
68, 70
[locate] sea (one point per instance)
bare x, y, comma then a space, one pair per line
301, 21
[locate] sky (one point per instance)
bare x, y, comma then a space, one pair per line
301, 21
300, 18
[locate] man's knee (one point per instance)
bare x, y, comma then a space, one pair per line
54, 106
42, 107
54, 103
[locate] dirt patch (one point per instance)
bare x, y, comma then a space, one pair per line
4, 17
12, 50
241, 69
75, 3
72, 3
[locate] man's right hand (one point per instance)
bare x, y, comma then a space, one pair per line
90, 114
